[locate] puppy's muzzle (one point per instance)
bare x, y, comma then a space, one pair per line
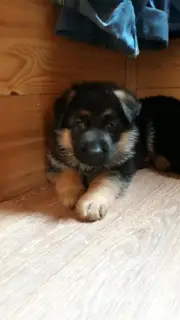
94, 148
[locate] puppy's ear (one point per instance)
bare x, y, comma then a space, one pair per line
130, 104
60, 107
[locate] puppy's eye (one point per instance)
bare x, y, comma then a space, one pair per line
109, 117
83, 121
112, 124
80, 124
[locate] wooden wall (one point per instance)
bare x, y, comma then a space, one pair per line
157, 72
36, 66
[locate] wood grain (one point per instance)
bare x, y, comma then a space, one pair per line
126, 267
159, 91
34, 61
21, 143
131, 74
159, 69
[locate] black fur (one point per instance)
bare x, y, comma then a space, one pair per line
159, 129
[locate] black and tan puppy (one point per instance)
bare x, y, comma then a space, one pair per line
92, 146
100, 135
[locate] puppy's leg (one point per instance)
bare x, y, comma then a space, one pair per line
69, 187
102, 192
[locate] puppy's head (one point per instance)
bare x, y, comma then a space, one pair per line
94, 122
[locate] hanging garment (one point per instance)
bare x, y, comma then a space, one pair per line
122, 25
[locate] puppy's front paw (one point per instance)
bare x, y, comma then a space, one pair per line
92, 208
69, 188
68, 197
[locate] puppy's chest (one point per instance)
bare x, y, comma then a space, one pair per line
55, 166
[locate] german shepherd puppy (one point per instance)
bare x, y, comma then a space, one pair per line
98, 139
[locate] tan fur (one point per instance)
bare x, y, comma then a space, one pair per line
69, 187
55, 163
85, 113
64, 138
125, 145
123, 141
51, 176
101, 194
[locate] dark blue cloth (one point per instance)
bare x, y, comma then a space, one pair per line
120, 24
174, 22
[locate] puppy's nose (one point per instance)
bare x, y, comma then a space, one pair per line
94, 152
93, 149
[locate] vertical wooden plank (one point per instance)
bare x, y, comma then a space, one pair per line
160, 69
131, 74
21, 143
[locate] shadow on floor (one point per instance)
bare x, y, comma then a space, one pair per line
38, 202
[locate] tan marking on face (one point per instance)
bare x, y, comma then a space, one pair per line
123, 141
64, 138
101, 193
84, 113
69, 187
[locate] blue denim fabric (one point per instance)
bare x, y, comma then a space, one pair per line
119, 24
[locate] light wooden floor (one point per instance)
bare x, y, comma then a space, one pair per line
126, 267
